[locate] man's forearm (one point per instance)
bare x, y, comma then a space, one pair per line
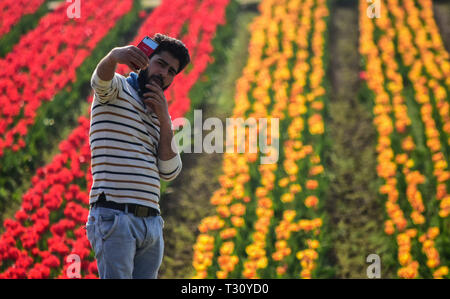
165, 140
169, 162
107, 67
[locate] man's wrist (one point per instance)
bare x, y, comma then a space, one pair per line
112, 56
165, 122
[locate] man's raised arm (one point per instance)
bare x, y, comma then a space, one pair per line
102, 79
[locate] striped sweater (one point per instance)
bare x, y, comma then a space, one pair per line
124, 139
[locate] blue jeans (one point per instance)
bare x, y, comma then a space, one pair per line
125, 246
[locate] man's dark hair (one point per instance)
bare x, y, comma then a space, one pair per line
175, 47
172, 45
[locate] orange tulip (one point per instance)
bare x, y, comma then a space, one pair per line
221, 274
223, 211
237, 209
281, 270
312, 184
283, 182
433, 232
389, 227
228, 233
295, 188
315, 170
311, 201
287, 197
237, 221
440, 272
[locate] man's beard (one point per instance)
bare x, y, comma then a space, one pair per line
142, 81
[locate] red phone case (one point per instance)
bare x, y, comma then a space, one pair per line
147, 45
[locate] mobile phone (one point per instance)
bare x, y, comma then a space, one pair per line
148, 46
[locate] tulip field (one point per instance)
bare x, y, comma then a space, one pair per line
267, 59
412, 147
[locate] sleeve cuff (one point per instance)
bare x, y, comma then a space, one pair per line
169, 167
99, 82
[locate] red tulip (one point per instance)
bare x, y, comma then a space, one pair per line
362, 75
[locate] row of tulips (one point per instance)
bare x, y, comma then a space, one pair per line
405, 154
12, 11
49, 225
269, 222
45, 60
431, 50
430, 74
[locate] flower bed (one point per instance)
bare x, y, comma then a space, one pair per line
52, 117
45, 60
269, 221
12, 10
407, 78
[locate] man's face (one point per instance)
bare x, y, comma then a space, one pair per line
162, 69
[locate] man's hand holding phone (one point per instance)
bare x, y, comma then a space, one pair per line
132, 56
136, 57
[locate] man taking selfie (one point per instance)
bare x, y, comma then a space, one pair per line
131, 150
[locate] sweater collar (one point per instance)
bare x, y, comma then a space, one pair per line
133, 81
